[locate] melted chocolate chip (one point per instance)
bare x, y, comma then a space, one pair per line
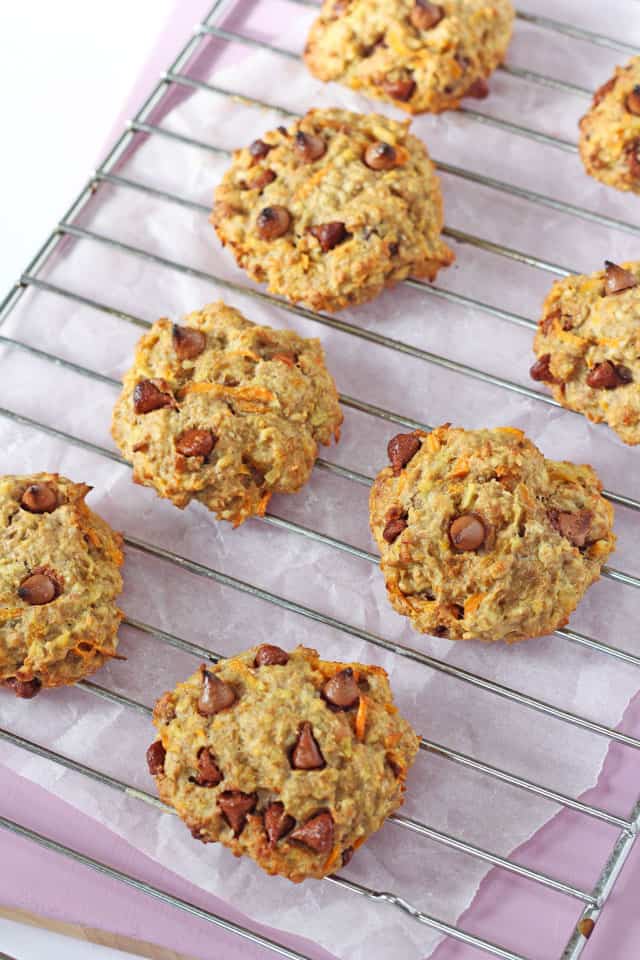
277, 822
425, 15
273, 222
188, 343
479, 89
541, 369
341, 690
209, 774
155, 758
467, 533
259, 149
317, 833
633, 101
329, 235
618, 279
269, 655
381, 156
195, 443
306, 754
24, 689
39, 498
632, 154
401, 90
308, 146
235, 806
39, 588
401, 449
574, 526
393, 529
606, 376
216, 695
262, 180
151, 395
347, 854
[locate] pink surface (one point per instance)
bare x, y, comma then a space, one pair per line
517, 914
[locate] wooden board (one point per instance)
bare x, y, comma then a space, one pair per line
87, 934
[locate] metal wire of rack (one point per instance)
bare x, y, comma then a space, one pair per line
626, 827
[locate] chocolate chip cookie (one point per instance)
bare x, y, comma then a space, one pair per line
483, 538
610, 131
224, 411
59, 579
588, 346
421, 56
333, 209
287, 758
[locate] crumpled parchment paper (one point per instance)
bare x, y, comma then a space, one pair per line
435, 879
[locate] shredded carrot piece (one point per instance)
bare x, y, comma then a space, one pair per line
284, 358
514, 430
472, 603
432, 443
460, 468
250, 397
10, 613
333, 858
361, 718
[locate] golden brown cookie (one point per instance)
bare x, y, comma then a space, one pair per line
588, 346
225, 412
483, 538
59, 579
610, 131
292, 760
421, 56
334, 209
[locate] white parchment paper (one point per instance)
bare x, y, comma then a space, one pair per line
111, 738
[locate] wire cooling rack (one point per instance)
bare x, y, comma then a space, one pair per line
625, 827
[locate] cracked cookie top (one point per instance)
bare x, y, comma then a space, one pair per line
483, 538
284, 757
59, 579
224, 411
421, 56
333, 209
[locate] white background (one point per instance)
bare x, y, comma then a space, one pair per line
66, 68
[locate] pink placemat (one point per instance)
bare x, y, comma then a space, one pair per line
520, 915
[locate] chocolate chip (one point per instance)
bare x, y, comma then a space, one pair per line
393, 249
308, 146
467, 533
277, 822
39, 588
632, 153
306, 754
262, 180
273, 222
381, 156
479, 89
155, 758
633, 101
604, 376
347, 854
187, 342
152, 395
425, 15
269, 655
195, 443
209, 774
541, 369
259, 149
401, 90
624, 374
317, 833
216, 695
39, 498
329, 235
618, 279
235, 806
574, 526
342, 690
602, 91
393, 529
24, 689
401, 449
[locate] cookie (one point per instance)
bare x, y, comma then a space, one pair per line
610, 131
289, 759
420, 56
483, 538
588, 346
59, 579
224, 411
334, 209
